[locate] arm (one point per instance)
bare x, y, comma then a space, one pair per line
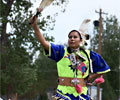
99, 66
38, 34
93, 76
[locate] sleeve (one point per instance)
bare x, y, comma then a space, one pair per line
98, 63
56, 52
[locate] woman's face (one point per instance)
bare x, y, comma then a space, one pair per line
74, 40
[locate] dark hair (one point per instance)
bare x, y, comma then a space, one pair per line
77, 32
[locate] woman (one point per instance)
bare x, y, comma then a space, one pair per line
73, 65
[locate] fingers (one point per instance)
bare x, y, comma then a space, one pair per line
33, 20
90, 84
39, 9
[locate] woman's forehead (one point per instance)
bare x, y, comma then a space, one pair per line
74, 33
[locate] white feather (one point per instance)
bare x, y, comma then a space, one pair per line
83, 29
45, 3
84, 25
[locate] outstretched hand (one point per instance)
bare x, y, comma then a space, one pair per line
33, 21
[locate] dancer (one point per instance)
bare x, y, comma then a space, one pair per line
75, 65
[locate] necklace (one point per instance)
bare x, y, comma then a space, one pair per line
74, 50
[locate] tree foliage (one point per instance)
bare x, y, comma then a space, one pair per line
111, 53
18, 72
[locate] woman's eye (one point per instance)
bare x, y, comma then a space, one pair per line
75, 36
70, 37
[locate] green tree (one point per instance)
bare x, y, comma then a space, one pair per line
47, 74
18, 72
111, 53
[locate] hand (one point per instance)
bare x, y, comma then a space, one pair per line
33, 21
39, 9
88, 80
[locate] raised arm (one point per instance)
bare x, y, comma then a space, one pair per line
38, 34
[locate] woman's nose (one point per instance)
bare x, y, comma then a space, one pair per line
72, 38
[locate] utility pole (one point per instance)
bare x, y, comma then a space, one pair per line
16, 98
99, 49
100, 30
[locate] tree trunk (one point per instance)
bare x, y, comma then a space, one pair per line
4, 35
4, 42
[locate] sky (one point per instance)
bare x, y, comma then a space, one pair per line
76, 12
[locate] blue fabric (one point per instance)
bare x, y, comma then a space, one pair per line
57, 52
86, 97
61, 96
98, 63
71, 96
